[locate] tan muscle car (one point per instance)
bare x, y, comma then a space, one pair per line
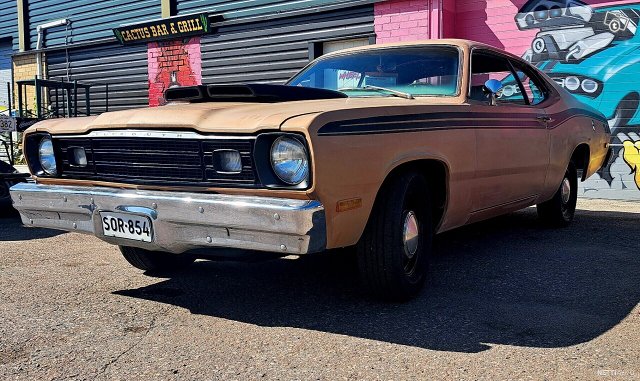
377, 148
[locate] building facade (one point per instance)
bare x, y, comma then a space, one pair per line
578, 43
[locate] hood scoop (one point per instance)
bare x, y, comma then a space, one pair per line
258, 93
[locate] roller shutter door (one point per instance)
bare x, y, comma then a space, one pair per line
5, 72
272, 51
124, 68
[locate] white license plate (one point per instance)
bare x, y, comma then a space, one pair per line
128, 226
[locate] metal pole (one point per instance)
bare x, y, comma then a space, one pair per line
57, 103
75, 97
10, 153
20, 100
86, 101
38, 99
106, 97
9, 97
69, 104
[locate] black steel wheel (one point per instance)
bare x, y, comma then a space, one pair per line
394, 251
560, 210
155, 261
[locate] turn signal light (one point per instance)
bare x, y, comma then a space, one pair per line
350, 204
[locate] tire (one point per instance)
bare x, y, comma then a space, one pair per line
390, 269
155, 261
5, 197
6, 205
560, 210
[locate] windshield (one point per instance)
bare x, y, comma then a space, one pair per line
419, 71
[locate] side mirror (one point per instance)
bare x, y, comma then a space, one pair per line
493, 87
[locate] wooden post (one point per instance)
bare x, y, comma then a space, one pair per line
23, 26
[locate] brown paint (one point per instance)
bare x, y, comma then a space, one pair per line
488, 171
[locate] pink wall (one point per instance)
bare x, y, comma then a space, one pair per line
405, 20
492, 22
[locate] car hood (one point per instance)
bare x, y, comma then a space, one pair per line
223, 117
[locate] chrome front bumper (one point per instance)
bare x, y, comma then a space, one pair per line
181, 221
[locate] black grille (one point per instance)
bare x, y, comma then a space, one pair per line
156, 161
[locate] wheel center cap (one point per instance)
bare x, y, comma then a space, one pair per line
566, 191
411, 234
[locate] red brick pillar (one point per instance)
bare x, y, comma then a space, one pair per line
173, 63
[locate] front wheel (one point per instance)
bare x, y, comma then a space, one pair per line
5, 197
393, 252
155, 261
560, 210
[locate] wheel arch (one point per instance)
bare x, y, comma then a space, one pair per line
581, 157
436, 171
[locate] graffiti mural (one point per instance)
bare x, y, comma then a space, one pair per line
173, 63
593, 50
632, 157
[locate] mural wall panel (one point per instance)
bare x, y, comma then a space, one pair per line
172, 64
592, 49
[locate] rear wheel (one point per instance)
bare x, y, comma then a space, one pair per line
394, 251
560, 210
155, 261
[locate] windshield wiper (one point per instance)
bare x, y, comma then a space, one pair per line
396, 93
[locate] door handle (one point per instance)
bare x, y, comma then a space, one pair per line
544, 118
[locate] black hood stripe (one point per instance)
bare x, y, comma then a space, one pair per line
449, 121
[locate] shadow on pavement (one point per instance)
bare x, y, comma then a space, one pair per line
11, 229
504, 281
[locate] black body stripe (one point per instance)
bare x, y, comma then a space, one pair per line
448, 121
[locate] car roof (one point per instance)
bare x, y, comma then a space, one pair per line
465, 44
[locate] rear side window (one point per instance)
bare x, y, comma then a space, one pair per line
485, 66
534, 89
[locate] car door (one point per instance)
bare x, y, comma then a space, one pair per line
511, 136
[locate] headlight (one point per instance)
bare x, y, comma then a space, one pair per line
289, 160
572, 83
47, 157
589, 86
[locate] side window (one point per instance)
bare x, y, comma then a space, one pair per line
535, 92
485, 66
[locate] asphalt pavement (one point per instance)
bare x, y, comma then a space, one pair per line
506, 299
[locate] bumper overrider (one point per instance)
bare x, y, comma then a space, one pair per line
180, 221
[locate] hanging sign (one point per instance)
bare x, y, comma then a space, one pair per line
165, 29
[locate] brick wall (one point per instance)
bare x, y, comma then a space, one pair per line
173, 63
25, 67
402, 20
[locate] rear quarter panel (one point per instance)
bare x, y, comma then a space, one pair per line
574, 123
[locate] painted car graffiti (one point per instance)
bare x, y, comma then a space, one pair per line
632, 157
594, 53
